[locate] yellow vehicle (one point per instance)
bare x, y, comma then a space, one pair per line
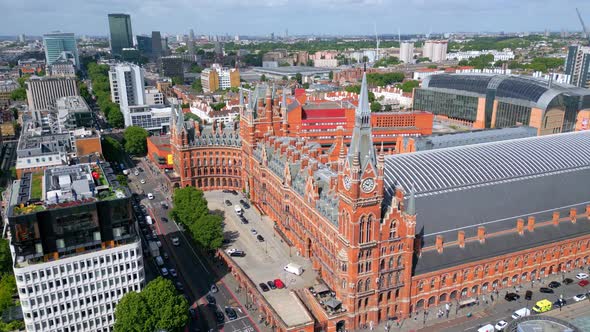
542, 306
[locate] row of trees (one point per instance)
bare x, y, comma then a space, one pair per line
101, 87
374, 104
378, 79
536, 64
20, 93
387, 61
7, 287
190, 209
157, 308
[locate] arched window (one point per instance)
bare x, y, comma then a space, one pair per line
392, 229
421, 286
486, 270
359, 286
399, 261
369, 228
390, 263
432, 282
443, 280
362, 230
343, 284
367, 284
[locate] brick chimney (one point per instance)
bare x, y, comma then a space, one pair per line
531, 224
481, 234
461, 239
520, 226
573, 215
556, 218
439, 244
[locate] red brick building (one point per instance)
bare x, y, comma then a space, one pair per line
393, 235
160, 151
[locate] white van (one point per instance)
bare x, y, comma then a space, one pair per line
159, 261
150, 196
294, 268
522, 312
238, 210
148, 219
486, 328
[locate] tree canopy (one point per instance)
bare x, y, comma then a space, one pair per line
375, 106
190, 209
299, 78
135, 140
217, 106
111, 148
387, 61
357, 89
157, 307
115, 117
378, 79
408, 86
19, 94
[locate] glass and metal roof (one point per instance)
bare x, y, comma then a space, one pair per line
436, 171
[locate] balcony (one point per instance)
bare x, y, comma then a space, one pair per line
366, 245
326, 298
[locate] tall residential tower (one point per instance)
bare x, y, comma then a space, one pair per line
577, 65
60, 47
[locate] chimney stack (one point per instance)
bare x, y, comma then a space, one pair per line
556, 218
481, 234
531, 224
573, 215
520, 226
439, 244
461, 239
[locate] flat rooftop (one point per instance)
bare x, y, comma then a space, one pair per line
72, 103
64, 186
264, 261
292, 70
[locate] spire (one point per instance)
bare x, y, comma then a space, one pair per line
284, 106
411, 209
241, 98
361, 145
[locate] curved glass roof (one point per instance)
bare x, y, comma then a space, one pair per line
434, 171
524, 88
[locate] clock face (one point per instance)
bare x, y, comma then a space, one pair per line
346, 182
368, 185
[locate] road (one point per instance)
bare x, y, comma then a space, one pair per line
194, 271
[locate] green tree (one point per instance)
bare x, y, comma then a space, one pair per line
263, 78
192, 116
5, 257
21, 80
299, 78
387, 61
463, 62
408, 86
305, 85
14, 113
331, 75
18, 94
7, 289
112, 150
181, 49
177, 80
482, 61
285, 78
157, 308
197, 86
375, 106
135, 140
189, 205
423, 59
195, 68
357, 89
115, 118
432, 67
378, 79
217, 106
83, 89
13, 172
309, 63
207, 231
122, 179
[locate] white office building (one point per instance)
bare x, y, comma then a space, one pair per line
127, 85
406, 52
504, 55
42, 92
153, 96
71, 273
152, 118
435, 50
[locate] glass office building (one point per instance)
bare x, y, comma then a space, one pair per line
499, 101
60, 46
121, 35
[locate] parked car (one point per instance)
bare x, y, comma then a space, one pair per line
244, 204
214, 289
584, 283
501, 325
136, 173
567, 281
226, 191
279, 283
231, 250
210, 299
554, 284
254, 232
238, 253
560, 303
235, 193
511, 297
260, 238
164, 219
546, 290
219, 316
228, 202
581, 276
580, 297
173, 272
176, 241
271, 284
231, 313
528, 295
243, 219
179, 286
150, 196
142, 181
164, 272
264, 287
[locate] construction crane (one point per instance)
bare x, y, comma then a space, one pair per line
584, 30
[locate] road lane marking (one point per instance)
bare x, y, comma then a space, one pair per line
191, 248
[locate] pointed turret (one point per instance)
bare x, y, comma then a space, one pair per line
241, 98
284, 106
361, 146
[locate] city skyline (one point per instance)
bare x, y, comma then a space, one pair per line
259, 17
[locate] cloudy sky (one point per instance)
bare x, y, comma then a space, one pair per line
261, 17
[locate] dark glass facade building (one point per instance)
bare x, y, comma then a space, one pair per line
144, 45
120, 31
499, 101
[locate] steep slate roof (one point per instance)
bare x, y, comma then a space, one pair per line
492, 184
